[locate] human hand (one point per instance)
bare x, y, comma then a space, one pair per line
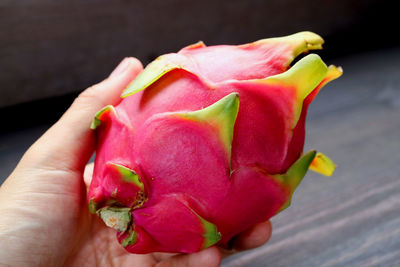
44, 215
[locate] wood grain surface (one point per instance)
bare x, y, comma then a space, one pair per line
352, 218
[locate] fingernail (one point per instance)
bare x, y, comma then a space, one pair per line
120, 68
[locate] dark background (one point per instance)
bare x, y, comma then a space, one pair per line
52, 50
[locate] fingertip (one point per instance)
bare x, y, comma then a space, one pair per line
135, 63
88, 173
128, 63
254, 237
207, 257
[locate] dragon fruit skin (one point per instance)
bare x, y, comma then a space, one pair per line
206, 143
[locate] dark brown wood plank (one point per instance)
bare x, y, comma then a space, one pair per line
352, 218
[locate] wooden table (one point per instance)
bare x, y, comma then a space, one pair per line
352, 218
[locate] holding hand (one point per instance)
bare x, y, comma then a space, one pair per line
44, 215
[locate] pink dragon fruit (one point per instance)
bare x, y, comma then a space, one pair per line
206, 143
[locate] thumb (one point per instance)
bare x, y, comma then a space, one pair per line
69, 143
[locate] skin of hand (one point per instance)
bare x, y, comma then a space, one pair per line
44, 213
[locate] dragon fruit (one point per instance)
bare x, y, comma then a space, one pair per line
207, 142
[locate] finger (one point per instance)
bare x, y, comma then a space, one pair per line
160, 256
254, 237
209, 257
70, 143
88, 174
